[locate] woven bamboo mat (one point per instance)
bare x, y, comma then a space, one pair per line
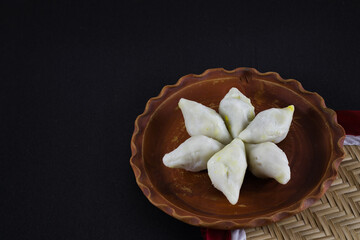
335, 216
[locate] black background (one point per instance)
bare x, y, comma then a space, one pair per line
74, 76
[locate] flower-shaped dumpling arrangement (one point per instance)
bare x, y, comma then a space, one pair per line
227, 143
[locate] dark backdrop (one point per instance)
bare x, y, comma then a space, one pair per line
74, 76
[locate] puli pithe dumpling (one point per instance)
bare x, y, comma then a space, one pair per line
236, 110
202, 120
271, 125
227, 168
193, 154
267, 160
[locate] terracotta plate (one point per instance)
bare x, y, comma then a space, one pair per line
313, 147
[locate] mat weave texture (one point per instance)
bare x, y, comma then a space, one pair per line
335, 216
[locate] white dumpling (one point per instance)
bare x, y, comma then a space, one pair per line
267, 160
226, 169
201, 120
236, 110
271, 125
193, 154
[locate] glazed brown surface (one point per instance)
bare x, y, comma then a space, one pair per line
313, 147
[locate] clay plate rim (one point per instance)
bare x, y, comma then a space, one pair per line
142, 179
